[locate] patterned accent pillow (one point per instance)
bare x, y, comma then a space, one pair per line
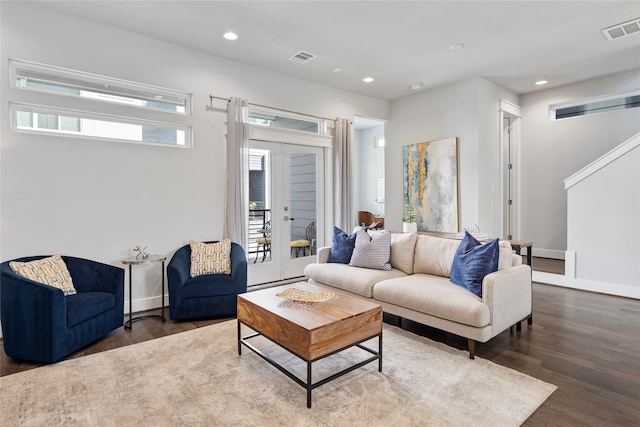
50, 271
210, 258
473, 261
372, 251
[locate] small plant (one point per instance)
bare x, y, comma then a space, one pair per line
409, 214
253, 205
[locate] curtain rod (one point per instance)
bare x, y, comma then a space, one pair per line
212, 97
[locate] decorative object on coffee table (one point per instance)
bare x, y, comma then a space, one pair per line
296, 294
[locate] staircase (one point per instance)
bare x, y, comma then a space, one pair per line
603, 223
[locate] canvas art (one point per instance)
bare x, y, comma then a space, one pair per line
431, 184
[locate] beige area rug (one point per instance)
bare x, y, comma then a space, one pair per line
196, 378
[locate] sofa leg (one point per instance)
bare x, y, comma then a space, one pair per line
519, 326
472, 348
512, 329
530, 320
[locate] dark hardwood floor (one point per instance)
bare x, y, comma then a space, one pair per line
585, 343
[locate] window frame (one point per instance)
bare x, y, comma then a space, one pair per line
267, 114
152, 92
136, 108
553, 108
14, 107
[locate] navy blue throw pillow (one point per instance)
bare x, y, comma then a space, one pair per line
342, 246
473, 261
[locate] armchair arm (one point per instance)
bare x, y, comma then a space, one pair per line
323, 254
32, 314
508, 294
239, 268
178, 269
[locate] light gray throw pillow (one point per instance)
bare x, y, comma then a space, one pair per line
372, 251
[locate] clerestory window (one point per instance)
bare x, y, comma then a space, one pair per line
107, 108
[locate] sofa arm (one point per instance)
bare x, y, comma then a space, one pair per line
323, 254
507, 293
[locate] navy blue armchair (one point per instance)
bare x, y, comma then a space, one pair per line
208, 295
40, 323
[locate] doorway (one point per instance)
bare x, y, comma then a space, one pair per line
510, 119
286, 191
369, 168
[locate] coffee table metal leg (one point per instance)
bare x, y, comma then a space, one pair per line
309, 385
380, 353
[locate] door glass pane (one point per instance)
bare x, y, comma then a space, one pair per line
303, 177
260, 202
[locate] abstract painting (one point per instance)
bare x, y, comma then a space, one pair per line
431, 184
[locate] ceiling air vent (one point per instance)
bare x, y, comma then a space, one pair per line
622, 30
302, 57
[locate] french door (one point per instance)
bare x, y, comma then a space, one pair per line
286, 214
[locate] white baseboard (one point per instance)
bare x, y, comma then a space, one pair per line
548, 253
144, 304
587, 285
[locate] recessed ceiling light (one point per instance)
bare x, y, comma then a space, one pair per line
230, 35
337, 70
541, 82
456, 46
416, 86
368, 79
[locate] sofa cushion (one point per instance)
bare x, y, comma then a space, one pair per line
50, 271
372, 251
352, 279
210, 258
85, 305
435, 296
434, 255
473, 261
342, 246
403, 246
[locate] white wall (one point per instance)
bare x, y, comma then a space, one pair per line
468, 110
99, 199
604, 226
554, 150
368, 167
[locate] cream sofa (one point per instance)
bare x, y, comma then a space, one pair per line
418, 287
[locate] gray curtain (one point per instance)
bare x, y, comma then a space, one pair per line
343, 179
237, 199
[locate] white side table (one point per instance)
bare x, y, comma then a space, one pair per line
151, 259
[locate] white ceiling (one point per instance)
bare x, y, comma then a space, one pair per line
512, 43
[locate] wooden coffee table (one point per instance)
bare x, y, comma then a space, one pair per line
311, 331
